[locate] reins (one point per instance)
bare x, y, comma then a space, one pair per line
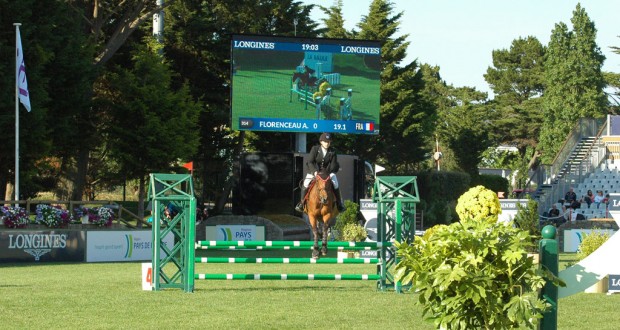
320, 178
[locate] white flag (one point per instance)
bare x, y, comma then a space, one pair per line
22, 83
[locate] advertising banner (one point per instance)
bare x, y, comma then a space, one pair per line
614, 283
42, 246
235, 233
134, 245
509, 208
368, 208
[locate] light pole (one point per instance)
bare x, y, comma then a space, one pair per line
438, 154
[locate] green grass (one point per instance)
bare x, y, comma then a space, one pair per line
109, 296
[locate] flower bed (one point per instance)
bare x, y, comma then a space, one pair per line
14, 217
100, 216
52, 216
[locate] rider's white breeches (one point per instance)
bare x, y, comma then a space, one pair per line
310, 176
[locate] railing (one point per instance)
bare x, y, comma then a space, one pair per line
575, 174
122, 214
584, 128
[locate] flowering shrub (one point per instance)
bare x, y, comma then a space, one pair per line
52, 216
90, 212
14, 217
79, 212
479, 204
474, 275
101, 216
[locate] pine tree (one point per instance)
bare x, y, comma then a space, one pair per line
58, 66
573, 81
465, 127
151, 125
517, 79
406, 116
334, 23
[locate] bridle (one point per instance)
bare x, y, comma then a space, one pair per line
323, 195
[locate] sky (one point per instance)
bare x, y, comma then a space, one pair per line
459, 36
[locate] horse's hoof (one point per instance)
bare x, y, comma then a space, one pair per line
315, 254
324, 252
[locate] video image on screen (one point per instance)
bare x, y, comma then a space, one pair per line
289, 84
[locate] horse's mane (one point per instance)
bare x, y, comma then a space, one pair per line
323, 175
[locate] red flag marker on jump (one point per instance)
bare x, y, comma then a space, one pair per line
190, 167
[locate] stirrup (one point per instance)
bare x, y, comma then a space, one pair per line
299, 207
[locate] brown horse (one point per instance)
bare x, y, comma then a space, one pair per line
320, 206
305, 79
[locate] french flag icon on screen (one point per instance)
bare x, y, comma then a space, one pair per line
369, 127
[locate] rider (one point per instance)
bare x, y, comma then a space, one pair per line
322, 157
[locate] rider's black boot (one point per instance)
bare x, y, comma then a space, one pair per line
300, 205
339, 203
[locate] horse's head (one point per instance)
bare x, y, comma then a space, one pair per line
323, 182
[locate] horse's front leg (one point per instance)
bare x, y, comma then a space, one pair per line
324, 239
315, 247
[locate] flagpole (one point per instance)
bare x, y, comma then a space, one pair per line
16, 188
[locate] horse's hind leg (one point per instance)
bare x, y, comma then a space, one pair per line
324, 239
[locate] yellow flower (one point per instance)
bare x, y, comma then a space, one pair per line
477, 204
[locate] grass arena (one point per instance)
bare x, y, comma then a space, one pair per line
110, 296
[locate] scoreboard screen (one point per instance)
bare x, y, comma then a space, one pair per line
306, 85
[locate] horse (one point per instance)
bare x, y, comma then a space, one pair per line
305, 78
320, 206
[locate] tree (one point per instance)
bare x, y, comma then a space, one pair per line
438, 93
573, 81
613, 81
517, 79
465, 127
57, 66
108, 24
198, 47
406, 116
334, 23
151, 125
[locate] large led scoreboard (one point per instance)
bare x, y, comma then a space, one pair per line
308, 85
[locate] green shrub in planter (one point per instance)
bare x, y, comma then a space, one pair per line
590, 243
352, 232
349, 216
527, 219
